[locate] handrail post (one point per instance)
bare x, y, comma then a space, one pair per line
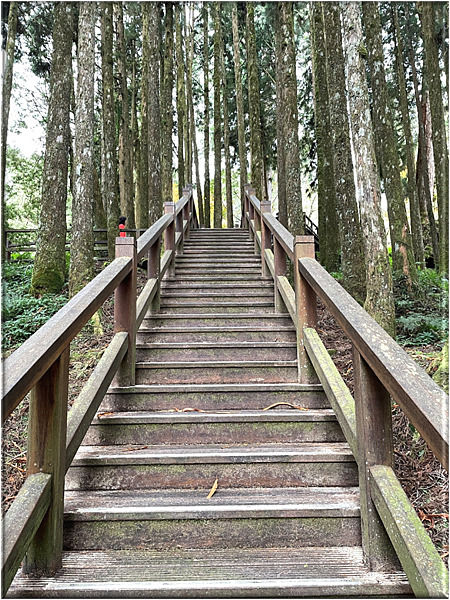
169, 237
375, 447
153, 270
191, 208
251, 214
125, 312
306, 305
187, 210
279, 256
47, 427
246, 206
266, 242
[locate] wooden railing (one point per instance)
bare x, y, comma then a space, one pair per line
390, 527
33, 526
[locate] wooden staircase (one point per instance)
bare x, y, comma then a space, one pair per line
284, 520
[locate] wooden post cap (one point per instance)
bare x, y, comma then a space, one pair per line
303, 239
266, 206
169, 207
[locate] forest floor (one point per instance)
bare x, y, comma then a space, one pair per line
423, 478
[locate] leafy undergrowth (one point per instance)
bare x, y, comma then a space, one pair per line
422, 477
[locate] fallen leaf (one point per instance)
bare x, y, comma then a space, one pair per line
284, 404
213, 489
132, 449
104, 414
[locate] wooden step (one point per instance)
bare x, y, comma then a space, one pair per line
226, 427
213, 397
201, 351
263, 321
163, 332
212, 295
258, 305
217, 372
309, 572
198, 466
232, 518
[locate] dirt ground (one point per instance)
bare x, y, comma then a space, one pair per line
423, 479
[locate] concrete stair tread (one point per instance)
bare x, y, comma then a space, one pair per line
217, 416
331, 452
225, 503
228, 573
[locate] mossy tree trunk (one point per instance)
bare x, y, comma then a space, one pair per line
155, 201
217, 119
379, 301
181, 94
82, 243
351, 239
226, 138
188, 40
109, 180
6, 102
256, 152
281, 174
49, 269
125, 171
207, 188
440, 147
403, 262
243, 165
166, 106
327, 207
142, 208
290, 120
414, 208
136, 144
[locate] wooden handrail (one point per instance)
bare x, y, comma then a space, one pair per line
41, 363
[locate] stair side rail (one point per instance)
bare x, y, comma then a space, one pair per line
390, 526
33, 526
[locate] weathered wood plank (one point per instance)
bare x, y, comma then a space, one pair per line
178, 238
144, 300
422, 400
283, 236
336, 391
419, 558
270, 261
288, 295
254, 200
88, 401
152, 234
165, 262
21, 523
24, 368
181, 203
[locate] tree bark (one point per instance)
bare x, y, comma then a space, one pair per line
181, 94
379, 299
166, 107
82, 243
243, 168
217, 119
440, 148
352, 246
6, 103
207, 188
256, 153
136, 145
49, 269
188, 40
414, 208
142, 209
281, 171
226, 139
109, 181
403, 263
125, 171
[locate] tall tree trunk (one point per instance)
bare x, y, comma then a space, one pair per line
181, 94
403, 263
136, 143
217, 120
188, 125
142, 208
291, 143
256, 153
351, 239
191, 120
328, 217
109, 181
206, 115
155, 201
414, 208
226, 139
6, 102
243, 169
440, 147
280, 110
49, 269
166, 107
379, 300
125, 170
82, 243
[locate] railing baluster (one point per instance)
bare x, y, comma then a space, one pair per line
280, 269
375, 447
125, 312
47, 426
266, 238
169, 237
153, 269
306, 307
251, 215
185, 216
